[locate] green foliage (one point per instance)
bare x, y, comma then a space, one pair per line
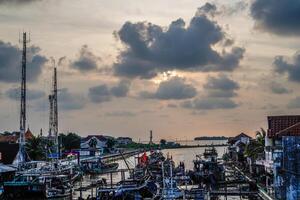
110, 143
70, 141
37, 148
134, 145
163, 142
257, 146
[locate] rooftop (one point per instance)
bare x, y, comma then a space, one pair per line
283, 125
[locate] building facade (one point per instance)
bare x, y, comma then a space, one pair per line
282, 155
93, 145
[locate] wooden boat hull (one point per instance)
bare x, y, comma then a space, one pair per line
25, 190
109, 168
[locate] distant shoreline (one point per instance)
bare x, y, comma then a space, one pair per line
211, 138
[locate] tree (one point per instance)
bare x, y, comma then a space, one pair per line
257, 146
70, 141
163, 142
37, 148
110, 143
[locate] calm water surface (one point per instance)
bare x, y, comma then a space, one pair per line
186, 154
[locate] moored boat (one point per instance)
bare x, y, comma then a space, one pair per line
96, 166
40, 186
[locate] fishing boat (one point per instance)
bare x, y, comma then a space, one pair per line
131, 189
207, 170
96, 166
210, 154
170, 189
39, 186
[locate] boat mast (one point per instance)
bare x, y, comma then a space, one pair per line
21, 156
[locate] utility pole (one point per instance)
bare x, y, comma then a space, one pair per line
21, 156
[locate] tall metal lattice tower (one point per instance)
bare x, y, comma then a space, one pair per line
53, 115
21, 156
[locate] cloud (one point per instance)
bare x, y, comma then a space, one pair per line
150, 49
120, 114
99, 94
69, 101
121, 90
86, 60
207, 8
218, 94
10, 63
238, 7
222, 82
277, 16
294, 103
175, 88
209, 103
17, 1
277, 88
31, 94
291, 69
102, 93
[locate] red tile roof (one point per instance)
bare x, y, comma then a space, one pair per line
283, 125
14, 137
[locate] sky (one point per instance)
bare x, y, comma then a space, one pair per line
182, 68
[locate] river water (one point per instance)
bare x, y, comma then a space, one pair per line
187, 155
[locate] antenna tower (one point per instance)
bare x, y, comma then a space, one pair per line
53, 117
21, 156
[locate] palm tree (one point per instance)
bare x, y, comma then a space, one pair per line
256, 147
35, 147
260, 136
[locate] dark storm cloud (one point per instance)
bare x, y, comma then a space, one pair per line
69, 101
277, 16
10, 63
151, 49
175, 88
103, 93
291, 69
218, 95
86, 60
15, 94
277, 88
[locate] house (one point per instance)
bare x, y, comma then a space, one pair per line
8, 152
14, 136
124, 140
282, 155
7, 173
93, 145
237, 146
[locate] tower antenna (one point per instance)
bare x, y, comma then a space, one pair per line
53, 115
21, 156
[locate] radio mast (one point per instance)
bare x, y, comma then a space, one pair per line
53, 115
21, 156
